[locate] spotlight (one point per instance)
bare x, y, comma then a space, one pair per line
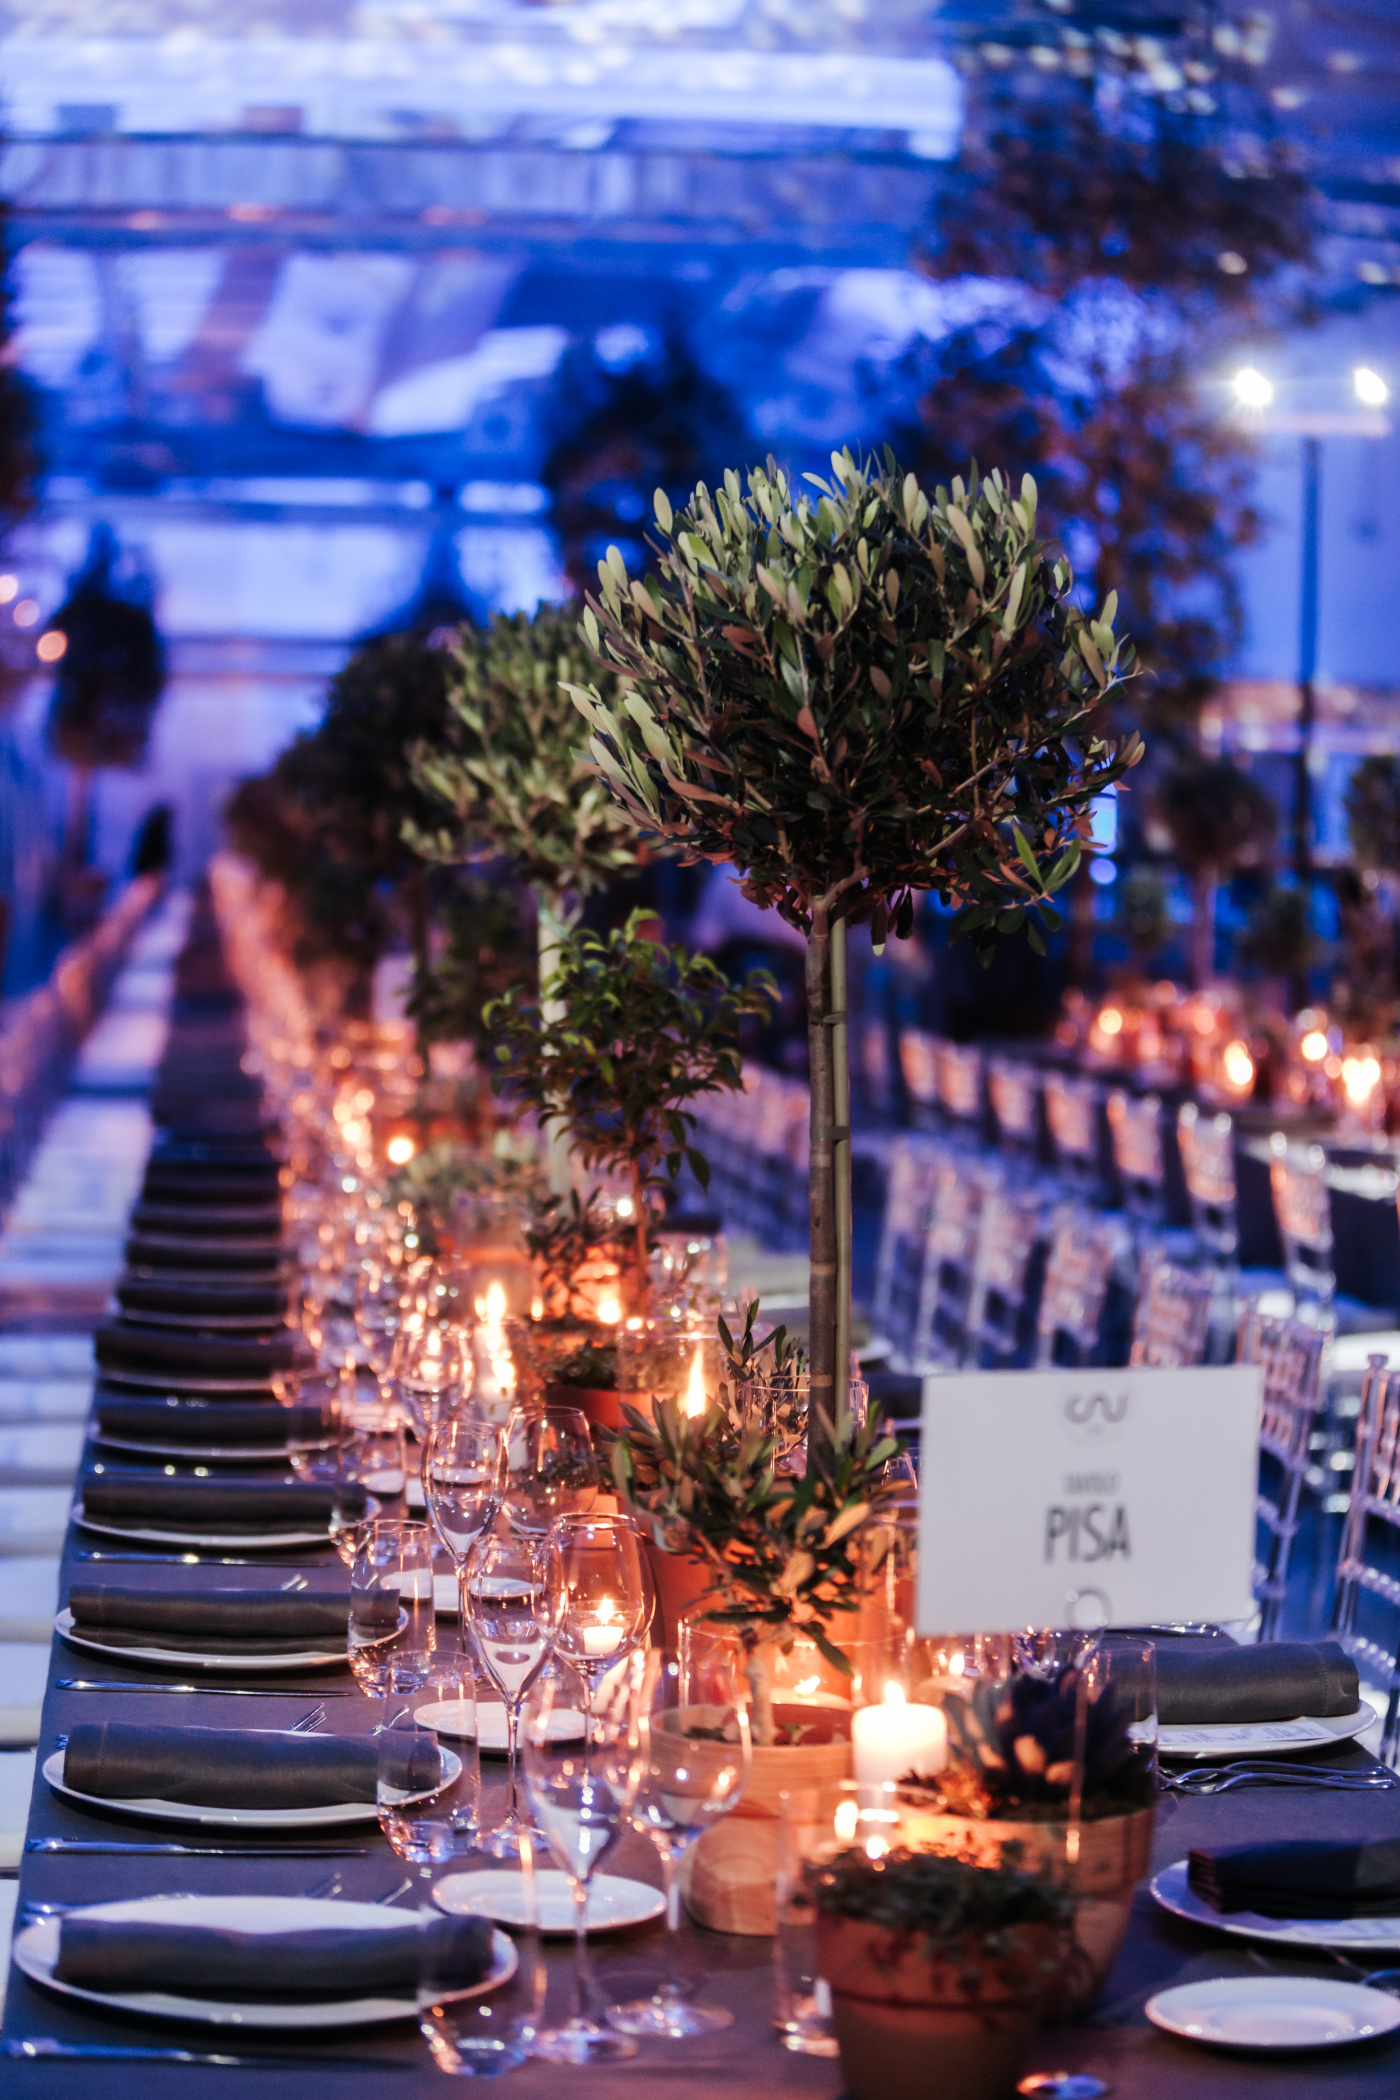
1252, 389
1371, 389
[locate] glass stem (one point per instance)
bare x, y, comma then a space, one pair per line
512, 1726
581, 1979
671, 1889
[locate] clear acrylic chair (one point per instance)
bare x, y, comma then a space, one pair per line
1207, 1147
899, 1261
958, 1077
1303, 1209
919, 1072
1135, 1130
1291, 1357
1010, 1235
1171, 1321
1083, 1248
1366, 1609
950, 1246
1014, 1091
1072, 1115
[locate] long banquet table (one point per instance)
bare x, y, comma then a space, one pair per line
1116, 2041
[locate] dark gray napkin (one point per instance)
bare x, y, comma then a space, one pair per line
178, 1253
1300, 1880
211, 1422
331, 1962
225, 1300
137, 1497
234, 1621
244, 1767
1209, 1682
239, 1221
119, 1347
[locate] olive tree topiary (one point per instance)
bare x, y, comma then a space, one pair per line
853, 695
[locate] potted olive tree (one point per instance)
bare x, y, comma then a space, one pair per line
932, 1960
854, 694
510, 782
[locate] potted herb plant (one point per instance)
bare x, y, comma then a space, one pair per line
938, 1968
1052, 1769
777, 1555
854, 694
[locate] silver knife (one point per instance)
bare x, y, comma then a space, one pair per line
39, 2048
61, 1844
223, 1691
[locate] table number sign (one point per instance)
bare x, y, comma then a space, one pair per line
1069, 1497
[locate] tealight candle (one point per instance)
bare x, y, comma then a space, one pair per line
893, 1739
604, 1636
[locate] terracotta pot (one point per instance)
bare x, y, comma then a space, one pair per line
1114, 1853
730, 1879
959, 2023
603, 1405
680, 1580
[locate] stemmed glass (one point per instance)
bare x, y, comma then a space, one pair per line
463, 1480
597, 1597
581, 1793
431, 1367
379, 1294
551, 1468
502, 1590
392, 1629
694, 1766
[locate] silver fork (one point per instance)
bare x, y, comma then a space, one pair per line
1219, 1779
329, 1886
307, 1725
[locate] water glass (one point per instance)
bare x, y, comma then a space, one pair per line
431, 1374
551, 1468
429, 1825
597, 1593
801, 2000
393, 1630
463, 1480
503, 1606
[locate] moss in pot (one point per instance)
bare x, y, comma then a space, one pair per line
933, 1958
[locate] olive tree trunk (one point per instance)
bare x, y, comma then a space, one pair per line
829, 1184
552, 924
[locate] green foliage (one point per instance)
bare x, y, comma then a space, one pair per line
1278, 938
644, 1029
1373, 813
1013, 1750
857, 694
566, 1234
1218, 817
435, 1178
944, 1898
504, 774
594, 1365
783, 1553
337, 915
111, 676
487, 951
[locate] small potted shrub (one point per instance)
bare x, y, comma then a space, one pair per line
1011, 1790
938, 1968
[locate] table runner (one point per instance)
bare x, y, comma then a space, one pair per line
744, 2062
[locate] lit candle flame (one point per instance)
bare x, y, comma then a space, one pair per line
607, 1611
537, 1307
1238, 1064
495, 1305
695, 1388
894, 1694
1360, 1077
400, 1150
610, 1309
1314, 1046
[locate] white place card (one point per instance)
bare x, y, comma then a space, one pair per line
1059, 1498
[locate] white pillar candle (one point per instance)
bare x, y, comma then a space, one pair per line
889, 1740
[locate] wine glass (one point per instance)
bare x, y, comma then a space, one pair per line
431, 1371
581, 1793
392, 1628
694, 1766
379, 1292
597, 1596
551, 1468
502, 1591
463, 1480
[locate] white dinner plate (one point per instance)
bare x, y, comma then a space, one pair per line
225, 1454
1255, 1738
255, 1539
498, 1893
487, 1722
329, 1816
1172, 1889
184, 1658
36, 1953
1275, 2012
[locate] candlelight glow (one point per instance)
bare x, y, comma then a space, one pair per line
495, 1304
1111, 1021
1360, 1077
894, 1694
537, 1307
610, 1309
808, 1685
956, 1664
1238, 1064
1313, 1046
695, 1389
624, 1206
400, 1151
846, 1821
607, 1611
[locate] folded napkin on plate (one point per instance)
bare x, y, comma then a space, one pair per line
1216, 1682
265, 1505
235, 1621
329, 1961
119, 1347
1299, 1879
180, 1253
212, 1422
239, 1221
244, 1767
224, 1299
